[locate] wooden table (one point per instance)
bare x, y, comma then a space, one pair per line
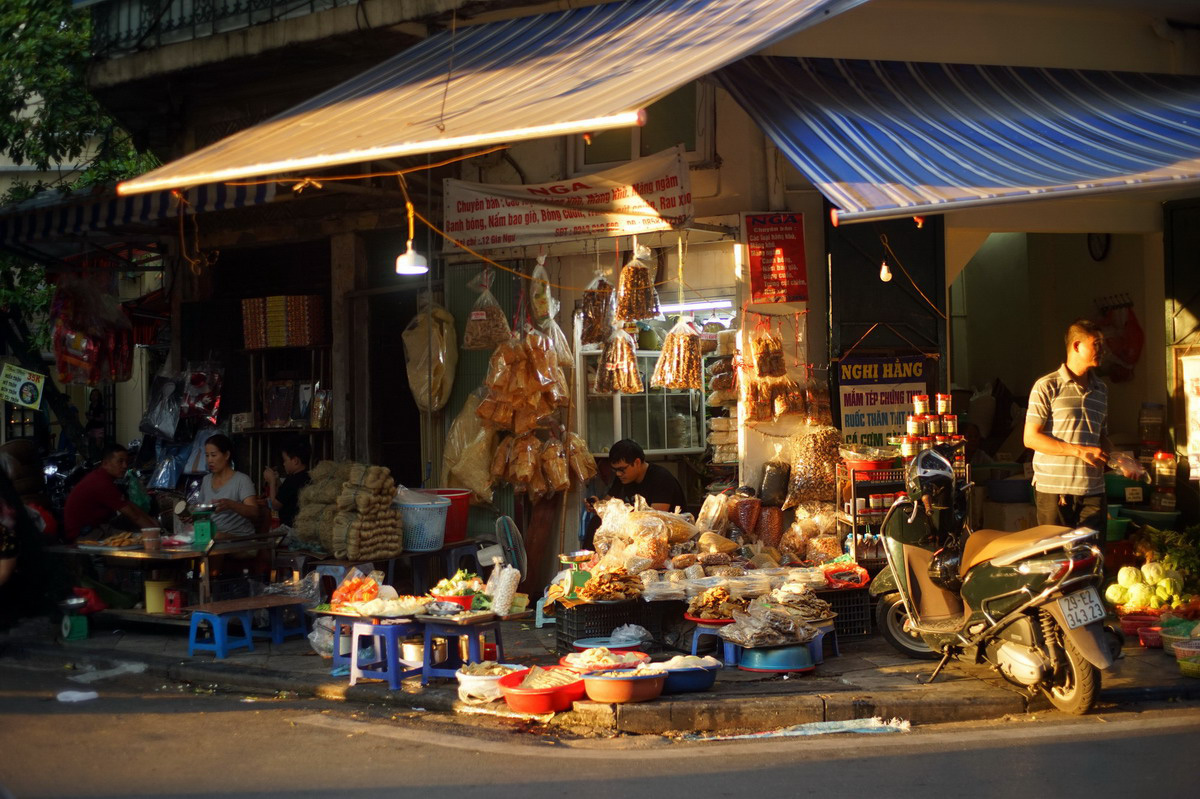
167, 555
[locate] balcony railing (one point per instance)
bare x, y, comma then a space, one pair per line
127, 26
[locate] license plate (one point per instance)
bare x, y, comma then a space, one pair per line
1082, 607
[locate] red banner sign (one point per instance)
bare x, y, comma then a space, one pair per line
778, 272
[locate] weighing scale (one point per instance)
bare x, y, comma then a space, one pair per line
577, 576
74, 624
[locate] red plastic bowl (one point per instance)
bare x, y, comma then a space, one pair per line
1131, 623
1150, 637
464, 602
540, 700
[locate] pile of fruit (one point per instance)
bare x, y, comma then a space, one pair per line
1153, 587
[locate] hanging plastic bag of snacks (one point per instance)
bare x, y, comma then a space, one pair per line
555, 466
541, 304
596, 318
583, 465
679, 362
487, 326
617, 372
814, 465
759, 404
708, 336
636, 296
789, 398
816, 398
766, 351
562, 347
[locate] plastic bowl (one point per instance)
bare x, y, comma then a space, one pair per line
1133, 622
475, 683
795, 657
622, 690
464, 602
642, 657
1150, 637
686, 681
620, 645
540, 700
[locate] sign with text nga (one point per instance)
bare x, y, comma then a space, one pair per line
876, 396
21, 386
644, 196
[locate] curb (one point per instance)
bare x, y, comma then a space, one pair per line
676, 714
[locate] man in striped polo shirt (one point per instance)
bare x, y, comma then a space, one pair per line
1066, 426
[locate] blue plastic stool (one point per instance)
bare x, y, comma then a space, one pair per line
221, 641
342, 628
816, 647
453, 632
730, 649
279, 630
387, 664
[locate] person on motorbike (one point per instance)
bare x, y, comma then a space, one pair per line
1066, 426
97, 502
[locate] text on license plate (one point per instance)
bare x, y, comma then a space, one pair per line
1082, 607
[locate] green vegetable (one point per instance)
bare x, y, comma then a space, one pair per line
1169, 587
1129, 576
1153, 572
1116, 594
1139, 595
1156, 602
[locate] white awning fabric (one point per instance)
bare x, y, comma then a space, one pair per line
583, 70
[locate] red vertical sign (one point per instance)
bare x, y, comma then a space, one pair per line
777, 268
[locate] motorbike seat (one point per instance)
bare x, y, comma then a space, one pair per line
983, 545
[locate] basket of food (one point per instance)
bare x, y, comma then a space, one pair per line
538, 689
689, 673
601, 659
480, 682
1190, 667
1186, 649
1132, 622
620, 686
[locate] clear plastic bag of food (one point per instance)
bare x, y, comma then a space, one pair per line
487, 325
727, 341
524, 460
617, 372
794, 542
650, 538
596, 315
543, 359
562, 347
431, 355
766, 353
814, 466
823, 548
714, 513
541, 303
816, 399
679, 527
788, 398
758, 403
679, 364
744, 512
769, 529
583, 465
636, 295
715, 543
555, 466
774, 484
716, 398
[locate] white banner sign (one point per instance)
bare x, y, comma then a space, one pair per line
643, 196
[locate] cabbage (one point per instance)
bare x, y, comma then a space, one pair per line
1129, 576
1116, 594
1169, 587
1155, 602
1139, 595
1153, 572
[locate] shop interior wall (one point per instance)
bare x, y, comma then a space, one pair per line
1021, 291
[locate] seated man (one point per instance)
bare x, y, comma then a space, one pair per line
96, 501
286, 498
635, 477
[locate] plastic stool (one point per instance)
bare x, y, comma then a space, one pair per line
816, 647
221, 641
730, 649
541, 620
453, 632
279, 630
387, 664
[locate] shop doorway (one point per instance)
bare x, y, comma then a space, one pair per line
395, 420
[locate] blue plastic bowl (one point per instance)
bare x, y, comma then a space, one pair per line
615, 644
795, 657
686, 681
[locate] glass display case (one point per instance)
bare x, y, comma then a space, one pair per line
663, 421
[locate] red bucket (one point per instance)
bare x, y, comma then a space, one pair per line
456, 517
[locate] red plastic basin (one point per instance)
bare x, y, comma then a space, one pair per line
540, 700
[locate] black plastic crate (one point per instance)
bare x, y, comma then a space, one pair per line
853, 609
596, 620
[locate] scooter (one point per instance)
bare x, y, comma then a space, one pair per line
1025, 603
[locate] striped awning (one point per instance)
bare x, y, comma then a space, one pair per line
56, 216
582, 70
889, 139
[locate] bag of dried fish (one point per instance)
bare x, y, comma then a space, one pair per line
596, 319
678, 364
636, 296
766, 349
487, 325
617, 372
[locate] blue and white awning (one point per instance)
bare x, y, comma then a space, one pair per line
53, 215
887, 139
576, 71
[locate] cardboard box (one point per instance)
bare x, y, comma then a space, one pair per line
1009, 516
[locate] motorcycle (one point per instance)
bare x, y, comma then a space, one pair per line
1025, 603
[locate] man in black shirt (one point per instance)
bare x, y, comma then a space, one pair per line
635, 477
285, 498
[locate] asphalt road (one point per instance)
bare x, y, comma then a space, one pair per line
143, 737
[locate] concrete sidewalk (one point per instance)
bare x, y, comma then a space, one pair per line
868, 679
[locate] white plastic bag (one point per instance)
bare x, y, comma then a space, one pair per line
431, 355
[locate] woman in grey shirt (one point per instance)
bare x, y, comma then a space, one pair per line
230, 492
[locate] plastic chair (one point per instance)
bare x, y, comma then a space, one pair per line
731, 650
221, 641
453, 632
387, 664
816, 647
280, 630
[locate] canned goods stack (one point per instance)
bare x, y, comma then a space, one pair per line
925, 429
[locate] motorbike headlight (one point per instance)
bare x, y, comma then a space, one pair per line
49, 470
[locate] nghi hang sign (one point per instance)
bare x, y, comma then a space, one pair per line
876, 396
644, 196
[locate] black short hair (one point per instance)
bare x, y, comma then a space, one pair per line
221, 442
1081, 329
626, 450
110, 450
298, 447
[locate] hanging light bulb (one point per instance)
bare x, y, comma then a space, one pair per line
885, 274
411, 262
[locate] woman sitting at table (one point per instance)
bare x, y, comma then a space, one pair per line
231, 493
